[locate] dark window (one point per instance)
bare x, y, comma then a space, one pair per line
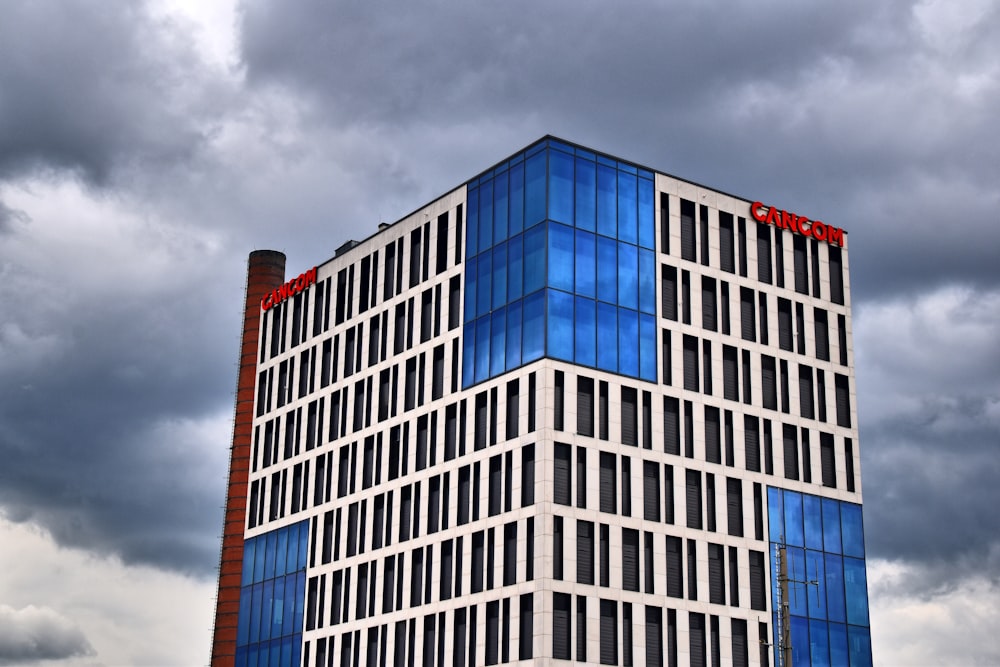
806, 391
686, 297
671, 425
559, 400
581, 477
526, 632
527, 475
609, 632
562, 474
727, 254
581, 628
668, 492
494, 487
693, 498
608, 488
784, 324
708, 306
706, 365
557, 547
703, 224
513, 411
836, 275
734, 506
828, 462
843, 400
763, 253
696, 634
748, 325
629, 417
849, 463
454, 302
585, 552
801, 265
690, 363
791, 449
741, 653
716, 574
713, 450
605, 548
650, 491
769, 387
757, 598
751, 442
585, 406
560, 626
730, 374
822, 327
688, 242
630, 559
437, 373
675, 568
800, 327
668, 292
664, 223
510, 554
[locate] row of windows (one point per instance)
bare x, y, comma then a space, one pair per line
696, 246
773, 374
445, 639
389, 334
357, 286
496, 557
614, 643
676, 303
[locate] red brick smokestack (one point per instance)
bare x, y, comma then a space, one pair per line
265, 272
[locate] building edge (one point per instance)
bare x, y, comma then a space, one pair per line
265, 272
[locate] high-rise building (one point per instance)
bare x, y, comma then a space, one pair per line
572, 410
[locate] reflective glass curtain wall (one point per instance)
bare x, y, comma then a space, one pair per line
560, 263
827, 589
272, 597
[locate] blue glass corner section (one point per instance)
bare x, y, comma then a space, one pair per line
560, 263
827, 589
272, 597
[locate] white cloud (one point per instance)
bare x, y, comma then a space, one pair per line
130, 615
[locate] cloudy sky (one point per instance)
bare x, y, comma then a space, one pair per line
147, 147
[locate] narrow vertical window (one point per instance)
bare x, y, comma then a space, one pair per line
585, 406
629, 417
562, 488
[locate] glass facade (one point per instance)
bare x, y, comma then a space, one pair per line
827, 588
560, 263
272, 597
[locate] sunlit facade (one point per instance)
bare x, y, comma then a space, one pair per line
574, 410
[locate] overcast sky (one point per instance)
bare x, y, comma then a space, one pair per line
147, 147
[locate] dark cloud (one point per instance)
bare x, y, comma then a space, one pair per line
89, 87
39, 633
929, 401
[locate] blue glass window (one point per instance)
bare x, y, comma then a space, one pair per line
472, 223
628, 230
500, 208
534, 259
513, 335
628, 333
819, 644
248, 560
607, 201
499, 277
534, 189
471, 282
560, 330
836, 604
586, 195
793, 519
607, 270
515, 268
838, 644
468, 354
272, 541
813, 519
860, 642
485, 215
816, 593
852, 530
561, 270
647, 347
831, 526
856, 591
586, 264
498, 346
800, 640
628, 279
586, 331
533, 327
647, 282
516, 218
482, 348
647, 226
775, 515
560, 187
484, 283
607, 337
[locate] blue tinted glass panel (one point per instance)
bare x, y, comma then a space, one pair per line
500, 208
560, 257
241, 657
647, 347
300, 599
793, 519
293, 548
586, 264
838, 644
816, 593
274, 654
836, 604
471, 273
482, 348
560, 325
484, 283
586, 331
811, 515
243, 622
852, 531
561, 146
628, 337
607, 201
831, 526
485, 215
647, 225
472, 223
561, 187
269, 549
499, 275
800, 640
819, 644
534, 259
534, 189
856, 591
248, 558
252, 653
628, 230
469, 354
284, 605
498, 346
256, 604
860, 642
296, 658
797, 577
775, 515
533, 327
281, 552
586, 194
607, 337
515, 267
628, 278
303, 545
513, 335
267, 609
647, 282
515, 222
628, 168
607, 270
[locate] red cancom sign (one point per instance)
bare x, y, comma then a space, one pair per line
799, 224
289, 289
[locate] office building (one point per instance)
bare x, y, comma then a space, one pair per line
574, 410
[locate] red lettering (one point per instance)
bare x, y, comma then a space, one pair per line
790, 221
267, 301
835, 235
311, 276
755, 212
802, 222
774, 218
300, 283
291, 288
818, 230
